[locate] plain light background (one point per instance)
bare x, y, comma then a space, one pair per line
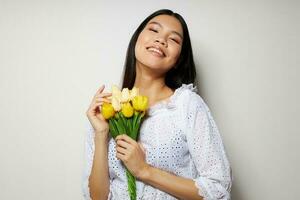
55, 54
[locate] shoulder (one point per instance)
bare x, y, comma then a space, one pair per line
189, 98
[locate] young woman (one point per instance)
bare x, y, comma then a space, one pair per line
179, 154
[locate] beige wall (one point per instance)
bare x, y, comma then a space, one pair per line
55, 54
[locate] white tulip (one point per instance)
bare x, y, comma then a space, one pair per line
134, 92
116, 104
125, 95
116, 92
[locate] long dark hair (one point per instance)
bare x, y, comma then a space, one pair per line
184, 70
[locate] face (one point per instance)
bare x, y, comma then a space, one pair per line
159, 44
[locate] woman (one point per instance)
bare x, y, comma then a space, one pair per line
180, 154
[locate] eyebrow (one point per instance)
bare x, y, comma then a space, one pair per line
153, 22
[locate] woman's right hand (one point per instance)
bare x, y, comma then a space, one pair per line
93, 113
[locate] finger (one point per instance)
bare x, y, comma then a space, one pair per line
123, 144
120, 156
126, 138
102, 100
96, 105
100, 89
104, 94
121, 150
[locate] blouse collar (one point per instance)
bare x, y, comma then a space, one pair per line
170, 103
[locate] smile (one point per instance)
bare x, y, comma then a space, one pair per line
156, 51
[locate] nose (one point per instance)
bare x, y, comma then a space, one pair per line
161, 40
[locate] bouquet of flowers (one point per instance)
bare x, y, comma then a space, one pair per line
125, 114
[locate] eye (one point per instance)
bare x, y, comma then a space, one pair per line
153, 30
174, 40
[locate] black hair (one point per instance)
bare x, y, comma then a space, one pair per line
184, 70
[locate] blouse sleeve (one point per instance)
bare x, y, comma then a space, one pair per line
207, 151
89, 156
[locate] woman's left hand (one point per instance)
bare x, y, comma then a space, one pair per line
132, 154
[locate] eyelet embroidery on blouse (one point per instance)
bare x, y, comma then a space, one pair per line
197, 155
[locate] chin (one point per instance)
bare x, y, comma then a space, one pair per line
156, 67
151, 61
152, 65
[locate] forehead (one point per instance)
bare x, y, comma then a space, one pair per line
168, 22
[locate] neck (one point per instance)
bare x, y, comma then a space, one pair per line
151, 85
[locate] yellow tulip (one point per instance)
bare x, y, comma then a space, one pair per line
127, 109
116, 104
134, 92
107, 110
125, 95
140, 103
116, 92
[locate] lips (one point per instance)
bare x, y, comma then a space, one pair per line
157, 50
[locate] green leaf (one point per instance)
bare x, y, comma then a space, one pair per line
137, 126
118, 126
134, 119
131, 185
113, 129
129, 122
123, 119
121, 125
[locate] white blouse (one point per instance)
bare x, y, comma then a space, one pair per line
179, 136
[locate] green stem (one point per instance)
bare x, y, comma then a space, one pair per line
131, 185
125, 123
130, 126
113, 129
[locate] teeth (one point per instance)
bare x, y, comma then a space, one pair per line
156, 50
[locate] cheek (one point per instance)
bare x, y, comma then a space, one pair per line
140, 43
176, 52
137, 49
142, 39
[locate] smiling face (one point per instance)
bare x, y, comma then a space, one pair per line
159, 44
